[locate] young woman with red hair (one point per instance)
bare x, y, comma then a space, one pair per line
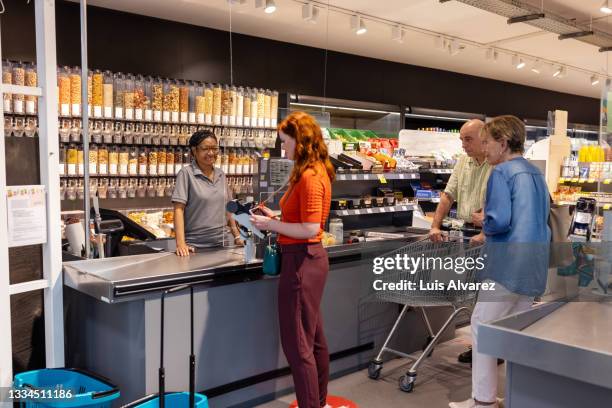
304, 208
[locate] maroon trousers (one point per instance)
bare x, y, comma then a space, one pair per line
304, 270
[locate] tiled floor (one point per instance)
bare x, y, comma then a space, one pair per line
440, 379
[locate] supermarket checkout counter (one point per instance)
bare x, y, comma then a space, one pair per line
558, 355
112, 309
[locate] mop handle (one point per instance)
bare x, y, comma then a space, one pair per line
191, 358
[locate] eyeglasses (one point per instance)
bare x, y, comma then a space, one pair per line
213, 150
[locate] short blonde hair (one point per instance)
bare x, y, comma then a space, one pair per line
508, 128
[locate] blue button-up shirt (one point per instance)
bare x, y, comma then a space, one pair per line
516, 227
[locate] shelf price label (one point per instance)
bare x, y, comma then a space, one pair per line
344, 212
369, 210
607, 181
591, 180
382, 179
382, 210
354, 177
581, 180
561, 180
574, 180
606, 207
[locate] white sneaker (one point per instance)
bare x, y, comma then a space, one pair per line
471, 404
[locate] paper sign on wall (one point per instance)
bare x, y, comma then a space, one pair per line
27, 215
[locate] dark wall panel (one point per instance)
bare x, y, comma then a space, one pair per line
138, 44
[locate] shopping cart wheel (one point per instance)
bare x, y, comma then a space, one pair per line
429, 340
374, 369
406, 382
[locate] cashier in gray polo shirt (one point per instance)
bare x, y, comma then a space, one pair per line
199, 198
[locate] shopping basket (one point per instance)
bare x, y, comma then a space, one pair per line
65, 387
460, 300
163, 398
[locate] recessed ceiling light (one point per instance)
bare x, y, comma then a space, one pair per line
536, 67
559, 72
358, 25
594, 80
605, 7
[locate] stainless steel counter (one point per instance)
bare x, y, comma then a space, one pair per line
558, 354
125, 278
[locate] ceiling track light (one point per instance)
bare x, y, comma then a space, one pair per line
605, 7
528, 17
559, 72
398, 34
454, 48
594, 80
517, 62
578, 34
310, 13
491, 54
236, 2
358, 25
536, 67
269, 6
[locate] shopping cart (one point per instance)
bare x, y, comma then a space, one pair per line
163, 398
420, 298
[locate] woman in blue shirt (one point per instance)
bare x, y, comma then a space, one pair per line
517, 240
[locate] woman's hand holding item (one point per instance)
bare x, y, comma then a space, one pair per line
262, 222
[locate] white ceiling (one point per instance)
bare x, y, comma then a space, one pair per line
479, 29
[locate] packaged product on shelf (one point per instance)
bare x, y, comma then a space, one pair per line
113, 161
131, 188
217, 104
233, 106
107, 95
174, 98
274, 109
80, 189
122, 187
161, 161
93, 160
103, 188
18, 79
240, 107
200, 103
225, 161
169, 191
261, 108
208, 104
254, 107
186, 157
226, 105
170, 161
152, 158
80, 161
161, 188
147, 99
194, 89
184, 102
143, 162
133, 162
89, 93
138, 90
103, 158
62, 190
178, 160
246, 107
31, 79
7, 78
152, 188
112, 188
71, 190
166, 103
157, 99
69, 81
141, 192
267, 108
62, 160
98, 93
129, 97
119, 95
